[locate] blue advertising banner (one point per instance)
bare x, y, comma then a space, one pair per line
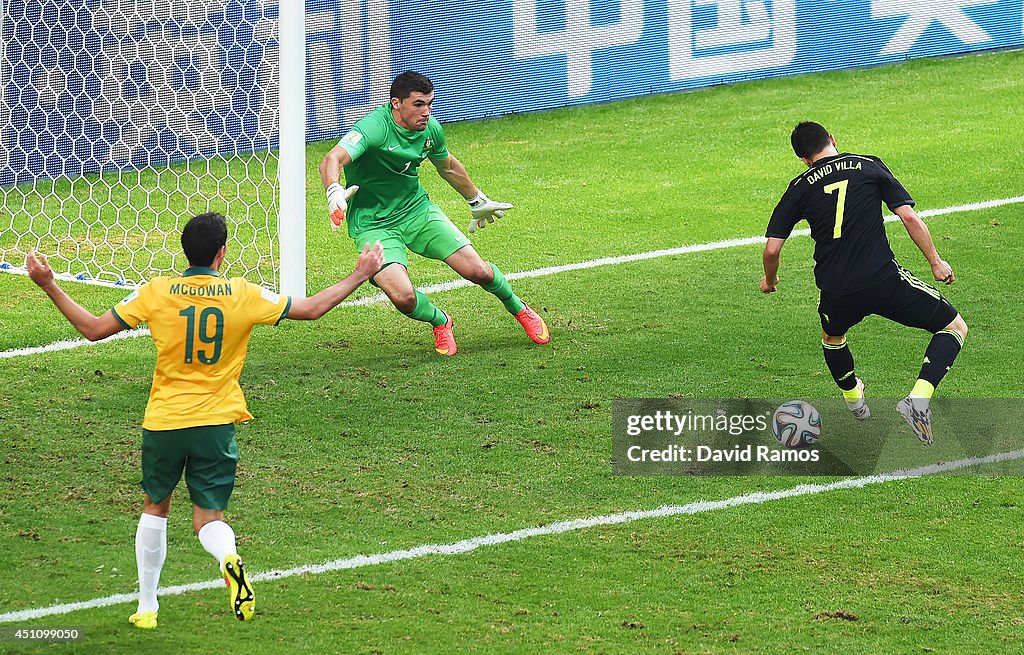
132, 83
497, 57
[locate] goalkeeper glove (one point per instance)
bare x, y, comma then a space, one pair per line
337, 203
485, 211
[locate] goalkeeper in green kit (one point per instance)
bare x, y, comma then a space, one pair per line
384, 201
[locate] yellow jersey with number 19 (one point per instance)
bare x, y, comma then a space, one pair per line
200, 323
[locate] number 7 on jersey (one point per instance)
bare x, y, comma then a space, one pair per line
840, 204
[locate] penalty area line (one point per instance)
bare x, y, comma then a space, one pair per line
545, 271
561, 527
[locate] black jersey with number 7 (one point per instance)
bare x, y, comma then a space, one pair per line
841, 198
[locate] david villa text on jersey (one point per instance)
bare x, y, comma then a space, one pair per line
736, 453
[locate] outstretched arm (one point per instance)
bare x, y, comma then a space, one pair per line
918, 231
91, 327
312, 308
454, 173
483, 209
770, 259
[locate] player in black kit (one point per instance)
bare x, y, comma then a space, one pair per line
840, 196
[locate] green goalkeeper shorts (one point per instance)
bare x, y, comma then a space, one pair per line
208, 455
431, 234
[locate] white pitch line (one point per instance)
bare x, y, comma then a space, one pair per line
552, 270
69, 344
68, 277
561, 527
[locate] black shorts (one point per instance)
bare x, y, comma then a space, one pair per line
902, 298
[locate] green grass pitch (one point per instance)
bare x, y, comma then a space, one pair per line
365, 442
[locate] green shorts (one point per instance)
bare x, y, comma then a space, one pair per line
430, 234
207, 454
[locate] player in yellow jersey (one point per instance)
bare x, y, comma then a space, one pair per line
200, 323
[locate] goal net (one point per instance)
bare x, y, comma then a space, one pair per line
120, 119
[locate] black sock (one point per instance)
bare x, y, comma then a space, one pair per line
942, 350
840, 363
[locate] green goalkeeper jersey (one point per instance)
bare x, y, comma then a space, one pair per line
386, 159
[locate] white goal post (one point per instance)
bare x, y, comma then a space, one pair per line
120, 119
292, 164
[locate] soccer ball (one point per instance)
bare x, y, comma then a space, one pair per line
796, 424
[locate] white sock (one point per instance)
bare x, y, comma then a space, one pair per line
150, 553
218, 539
